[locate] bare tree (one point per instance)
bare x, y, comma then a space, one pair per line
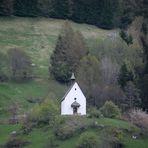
20, 64
109, 71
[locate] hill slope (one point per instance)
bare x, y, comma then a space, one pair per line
37, 36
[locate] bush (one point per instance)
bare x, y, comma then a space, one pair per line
15, 142
111, 138
51, 142
126, 37
68, 127
44, 113
88, 140
93, 112
139, 118
110, 110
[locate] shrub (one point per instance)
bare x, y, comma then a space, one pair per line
44, 113
110, 110
88, 140
93, 112
126, 37
111, 138
139, 118
71, 126
15, 142
51, 142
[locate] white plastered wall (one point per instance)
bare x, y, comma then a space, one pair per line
75, 92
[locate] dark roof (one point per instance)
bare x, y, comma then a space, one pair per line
75, 104
68, 91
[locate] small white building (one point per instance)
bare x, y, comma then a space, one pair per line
74, 101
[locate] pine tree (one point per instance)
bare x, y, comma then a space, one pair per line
125, 75
133, 95
70, 48
6, 7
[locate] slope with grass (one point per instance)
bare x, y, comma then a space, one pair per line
39, 137
38, 36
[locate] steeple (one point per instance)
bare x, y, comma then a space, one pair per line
72, 79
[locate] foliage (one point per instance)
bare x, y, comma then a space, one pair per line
3, 67
69, 127
127, 38
111, 138
70, 48
139, 118
109, 109
88, 77
44, 113
15, 142
125, 75
6, 7
88, 140
25, 8
132, 95
94, 113
20, 64
51, 141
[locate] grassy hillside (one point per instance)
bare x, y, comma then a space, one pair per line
38, 137
37, 36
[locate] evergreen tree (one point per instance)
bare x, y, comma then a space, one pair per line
125, 75
133, 95
25, 8
70, 48
6, 7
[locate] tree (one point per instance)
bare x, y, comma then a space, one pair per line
3, 67
20, 64
110, 110
70, 48
88, 140
6, 7
133, 95
109, 71
125, 75
25, 8
88, 77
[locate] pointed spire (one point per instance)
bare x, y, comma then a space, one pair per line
72, 77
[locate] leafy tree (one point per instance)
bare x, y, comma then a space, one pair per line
70, 48
88, 140
88, 77
109, 109
44, 113
20, 64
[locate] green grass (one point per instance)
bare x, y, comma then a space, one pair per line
5, 131
116, 123
19, 94
38, 137
136, 143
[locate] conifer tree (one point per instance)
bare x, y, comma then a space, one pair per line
70, 48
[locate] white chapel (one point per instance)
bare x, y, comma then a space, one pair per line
74, 101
